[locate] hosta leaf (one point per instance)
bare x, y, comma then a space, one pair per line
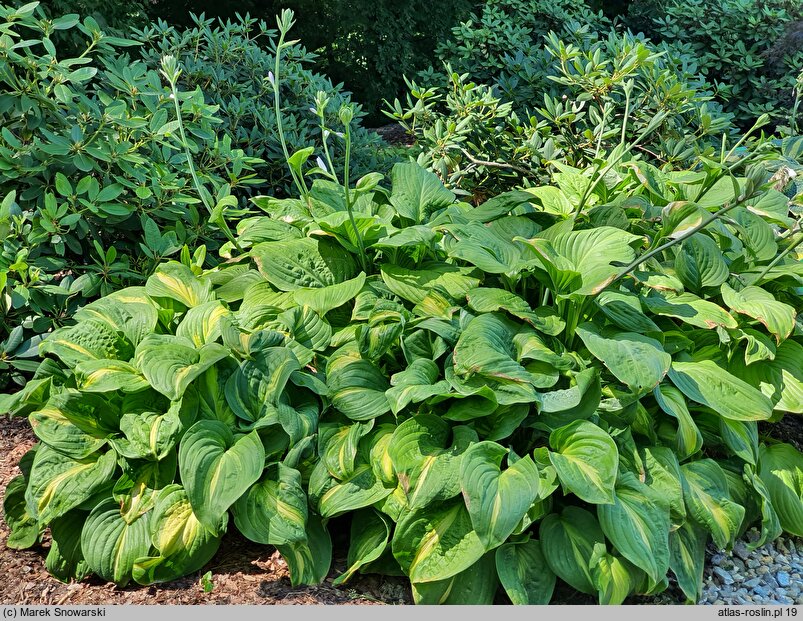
497, 500
486, 348
781, 470
780, 379
361, 488
171, 363
479, 246
771, 527
142, 481
58, 484
88, 340
135, 319
663, 477
253, 391
624, 310
413, 285
417, 193
688, 439
182, 544
690, 309
586, 460
637, 361
53, 428
370, 535
436, 542
324, 299
489, 300
150, 435
637, 523
65, 560
710, 385
309, 561
108, 376
216, 469
415, 384
427, 468
687, 558
699, 263
567, 542
614, 577
111, 545
741, 437
777, 317
708, 500
201, 324
357, 388
177, 282
524, 573
476, 586
23, 529
299, 263
274, 509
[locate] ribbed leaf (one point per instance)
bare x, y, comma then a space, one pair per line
567, 541
708, 500
524, 573
586, 460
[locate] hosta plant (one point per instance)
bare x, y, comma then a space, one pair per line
564, 383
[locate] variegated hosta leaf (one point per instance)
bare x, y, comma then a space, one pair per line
687, 558
586, 460
360, 488
415, 384
324, 299
23, 529
111, 545
709, 384
135, 318
475, 586
708, 500
637, 523
309, 561
108, 376
436, 542
497, 500
88, 340
771, 527
58, 483
357, 387
689, 309
217, 468
274, 509
171, 363
524, 573
486, 348
413, 285
637, 361
688, 439
65, 559
490, 300
253, 391
780, 379
428, 468
624, 310
755, 302
567, 541
202, 324
663, 477
614, 577
780, 467
417, 192
176, 281
182, 545
370, 535
301, 263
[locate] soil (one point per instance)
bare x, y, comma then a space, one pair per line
242, 572
395, 134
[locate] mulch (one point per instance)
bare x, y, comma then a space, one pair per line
243, 572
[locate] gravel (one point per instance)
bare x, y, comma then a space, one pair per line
770, 574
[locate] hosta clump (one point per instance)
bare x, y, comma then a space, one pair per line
563, 383
159, 417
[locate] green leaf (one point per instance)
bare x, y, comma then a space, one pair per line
302, 263
637, 523
324, 299
216, 469
637, 361
111, 545
370, 535
108, 376
360, 488
524, 573
417, 193
699, 263
309, 561
436, 542
486, 348
357, 388
687, 558
65, 560
777, 317
690, 309
567, 541
476, 585
688, 439
489, 300
134, 318
497, 500
88, 340
201, 324
274, 509
58, 484
171, 363
23, 529
708, 500
182, 544
413, 285
176, 281
780, 467
708, 384
254, 390
586, 460
614, 577
780, 379
624, 310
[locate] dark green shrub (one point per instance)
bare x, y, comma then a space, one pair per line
231, 62
752, 50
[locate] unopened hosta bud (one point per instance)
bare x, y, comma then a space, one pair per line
346, 114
